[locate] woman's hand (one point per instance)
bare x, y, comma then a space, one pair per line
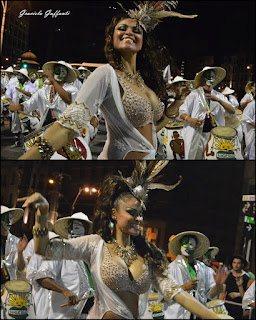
38, 200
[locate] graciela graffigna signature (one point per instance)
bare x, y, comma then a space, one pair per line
47, 13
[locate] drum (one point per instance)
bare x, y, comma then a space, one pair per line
239, 114
233, 122
171, 139
217, 306
76, 149
17, 300
223, 145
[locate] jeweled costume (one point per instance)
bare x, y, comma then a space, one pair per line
92, 249
101, 90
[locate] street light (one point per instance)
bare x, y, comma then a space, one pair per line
87, 190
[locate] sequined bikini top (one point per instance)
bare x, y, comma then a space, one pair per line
117, 278
138, 109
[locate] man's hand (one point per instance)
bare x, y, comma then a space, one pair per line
191, 285
50, 76
71, 297
195, 122
221, 276
239, 281
211, 97
22, 243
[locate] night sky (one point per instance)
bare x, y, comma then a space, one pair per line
222, 28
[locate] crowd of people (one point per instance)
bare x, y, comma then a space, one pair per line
106, 268
131, 95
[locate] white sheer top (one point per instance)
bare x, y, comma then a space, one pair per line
90, 249
101, 90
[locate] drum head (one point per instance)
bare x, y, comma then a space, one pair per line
214, 303
239, 112
224, 132
175, 124
232, 122
18, 286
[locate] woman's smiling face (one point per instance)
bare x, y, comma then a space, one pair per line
128, 216
128, 36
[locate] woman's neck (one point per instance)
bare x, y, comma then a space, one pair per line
124, 240
129, 63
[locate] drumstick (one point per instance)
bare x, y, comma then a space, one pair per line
235, 303
85, 298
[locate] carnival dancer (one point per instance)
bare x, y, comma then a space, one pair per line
248, 121
17, 93
52, 100
191, 274
249, 94
68, 280
203, 109
129, 99
123, 264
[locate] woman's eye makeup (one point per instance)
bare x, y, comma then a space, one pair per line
134, 29
134, 213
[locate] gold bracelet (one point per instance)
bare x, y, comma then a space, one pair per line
44, 148
40, 232
186, 118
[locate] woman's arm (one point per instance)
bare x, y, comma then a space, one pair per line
40, 229
56, 135
194, 306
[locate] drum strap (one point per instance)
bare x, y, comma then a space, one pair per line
21, 87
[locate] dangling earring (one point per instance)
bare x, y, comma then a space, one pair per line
111, 226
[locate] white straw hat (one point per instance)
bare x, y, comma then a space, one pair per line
23, 71
60, 226
220, 74
77, 72
53, 235
227, 90
214, 251
202, 245
9, 69
14, 213
71, 76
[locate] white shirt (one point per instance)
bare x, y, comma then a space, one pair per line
249, 296
11, 255
15, 95
179, 271
40, 100
248, 129
71, 275
195, 107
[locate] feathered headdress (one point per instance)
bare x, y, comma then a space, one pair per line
143, 179
149, 13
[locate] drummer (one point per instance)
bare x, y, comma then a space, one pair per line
249, 95
52, 100
11, 247
191, 274
67, 279
202, 110
18, 93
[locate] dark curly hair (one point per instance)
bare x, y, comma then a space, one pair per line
112, 190
151, 60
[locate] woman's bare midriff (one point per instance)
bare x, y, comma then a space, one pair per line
130, 300
146, 131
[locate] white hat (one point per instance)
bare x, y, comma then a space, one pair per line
202, 245
23, 71
82, 68
214, 251
14, 213
227, 90
53, 235
9, 69
71, 76
220, 74
177, 79
60, 226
